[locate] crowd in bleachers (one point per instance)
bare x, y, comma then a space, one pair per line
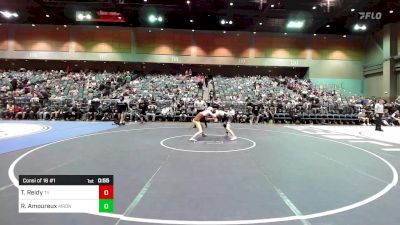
61, 95
289, 99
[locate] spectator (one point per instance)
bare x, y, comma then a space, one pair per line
395, 118
363, 117
151, 112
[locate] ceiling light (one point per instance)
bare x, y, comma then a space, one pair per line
254, 32
352, 10
224, 32
160, 19
285, 33
152, 18
33, 25
80, 16
191, 21
192, 30
188, 2
47, 15
162, 28
8, 14
65, 25
223, 21
391, 11
231, 4
360, 27
272, 6
328, 25
149, 31
260, 23
230, 22
314, 7
120, 18
145, 0
315, 35
295, 24
97, 27
344, 36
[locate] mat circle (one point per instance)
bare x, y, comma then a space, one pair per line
185, 139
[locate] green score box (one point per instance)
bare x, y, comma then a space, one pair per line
106, 205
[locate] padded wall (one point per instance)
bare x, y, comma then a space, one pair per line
3, 38
41, 39
222, 45
373, 86
337, 48
278, 47
163, 42
111, 40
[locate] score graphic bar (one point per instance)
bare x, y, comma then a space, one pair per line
66, 193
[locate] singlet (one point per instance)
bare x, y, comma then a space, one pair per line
202, 115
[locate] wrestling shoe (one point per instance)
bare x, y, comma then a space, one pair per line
193, 140
233, 138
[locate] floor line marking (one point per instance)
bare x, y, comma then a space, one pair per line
48, 170
280, 193
6, 187
143, 191
373, 142
391, 149
351, 167
291, 206
342, 137
162, 143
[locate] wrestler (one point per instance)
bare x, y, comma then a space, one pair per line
200, 117
227, 118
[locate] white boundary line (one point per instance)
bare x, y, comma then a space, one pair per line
392, 184
391, 149
45, 128
207, 151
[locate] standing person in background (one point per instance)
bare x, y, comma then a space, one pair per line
143, 106
122, 107
200, 86
255, 112
200, 105
378, 115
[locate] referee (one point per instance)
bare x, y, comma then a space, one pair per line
378, 115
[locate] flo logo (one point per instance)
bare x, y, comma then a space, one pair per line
370, 15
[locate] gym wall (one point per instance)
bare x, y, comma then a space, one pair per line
332, 60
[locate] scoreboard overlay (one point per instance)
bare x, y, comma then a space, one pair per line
66, 194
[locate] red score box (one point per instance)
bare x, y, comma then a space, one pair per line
106, 192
